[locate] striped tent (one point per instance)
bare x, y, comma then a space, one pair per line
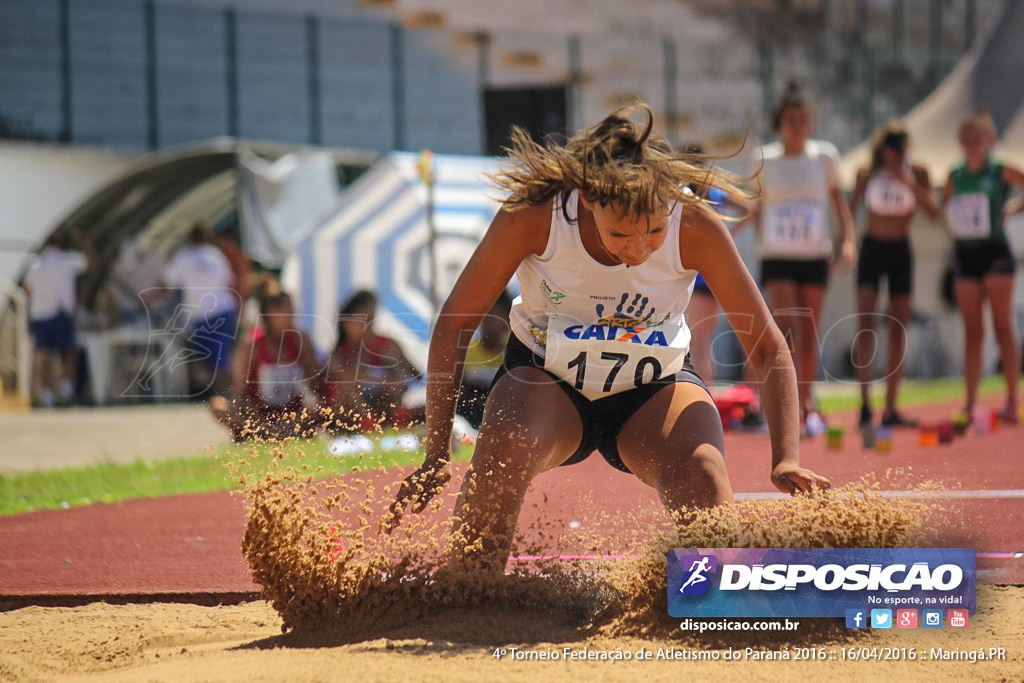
378, 238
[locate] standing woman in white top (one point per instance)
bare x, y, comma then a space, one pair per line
799, 192
605, 241
892, 190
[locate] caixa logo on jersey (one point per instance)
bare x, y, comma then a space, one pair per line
816, 582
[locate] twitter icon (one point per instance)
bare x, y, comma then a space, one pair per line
881, 618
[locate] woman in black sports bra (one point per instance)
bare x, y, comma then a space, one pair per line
892, 190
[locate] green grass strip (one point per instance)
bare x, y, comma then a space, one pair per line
835, 397
111, 482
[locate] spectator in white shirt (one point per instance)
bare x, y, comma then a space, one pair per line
203, 275
50, 282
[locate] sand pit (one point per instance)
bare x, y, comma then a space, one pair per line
162, 642
344, 604
338, 610
316, 549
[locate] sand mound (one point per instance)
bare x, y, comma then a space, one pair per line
316, 549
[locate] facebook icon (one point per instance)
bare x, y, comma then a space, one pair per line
856, 618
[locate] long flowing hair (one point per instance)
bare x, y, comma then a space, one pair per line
891, 135
617, 163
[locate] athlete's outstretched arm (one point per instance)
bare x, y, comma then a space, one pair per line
847, 245
923, 191
705, 245
859, 187
510, 238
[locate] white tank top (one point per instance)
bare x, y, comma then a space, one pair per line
796, 202
603, 329
887, 196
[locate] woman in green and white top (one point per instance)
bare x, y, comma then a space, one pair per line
977, 201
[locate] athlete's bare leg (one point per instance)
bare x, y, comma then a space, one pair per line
812, 302
702, 316
969, 299
867, 299
899, 325
529, 426
999, 289
674, 443
797, 309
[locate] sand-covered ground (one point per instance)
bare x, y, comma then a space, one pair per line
167, 642
345, 611
350, 615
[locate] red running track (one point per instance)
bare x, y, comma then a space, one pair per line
187, 548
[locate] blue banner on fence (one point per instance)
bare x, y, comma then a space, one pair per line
817, 582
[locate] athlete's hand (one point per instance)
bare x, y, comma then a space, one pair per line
847, 256
1012, 207
418, 489
905, 175
793, 479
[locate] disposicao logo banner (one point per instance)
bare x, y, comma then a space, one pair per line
817, 582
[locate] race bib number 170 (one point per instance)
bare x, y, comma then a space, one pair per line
601, 360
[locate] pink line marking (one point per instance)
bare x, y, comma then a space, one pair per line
538, 558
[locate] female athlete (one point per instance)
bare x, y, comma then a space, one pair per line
606, 243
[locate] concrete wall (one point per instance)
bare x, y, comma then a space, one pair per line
193, 90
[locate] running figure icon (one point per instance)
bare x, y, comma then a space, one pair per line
697, 570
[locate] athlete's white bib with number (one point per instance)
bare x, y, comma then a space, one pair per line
798, 228
603, 329
600, 360
887, 196
968, 216
796, 201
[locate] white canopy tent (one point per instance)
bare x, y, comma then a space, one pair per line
988, 77
282, 201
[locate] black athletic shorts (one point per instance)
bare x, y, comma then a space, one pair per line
812, 272
603, 418
891, 258
975, 261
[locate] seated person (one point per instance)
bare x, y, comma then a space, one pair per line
368, 372
483, 358
274, 370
